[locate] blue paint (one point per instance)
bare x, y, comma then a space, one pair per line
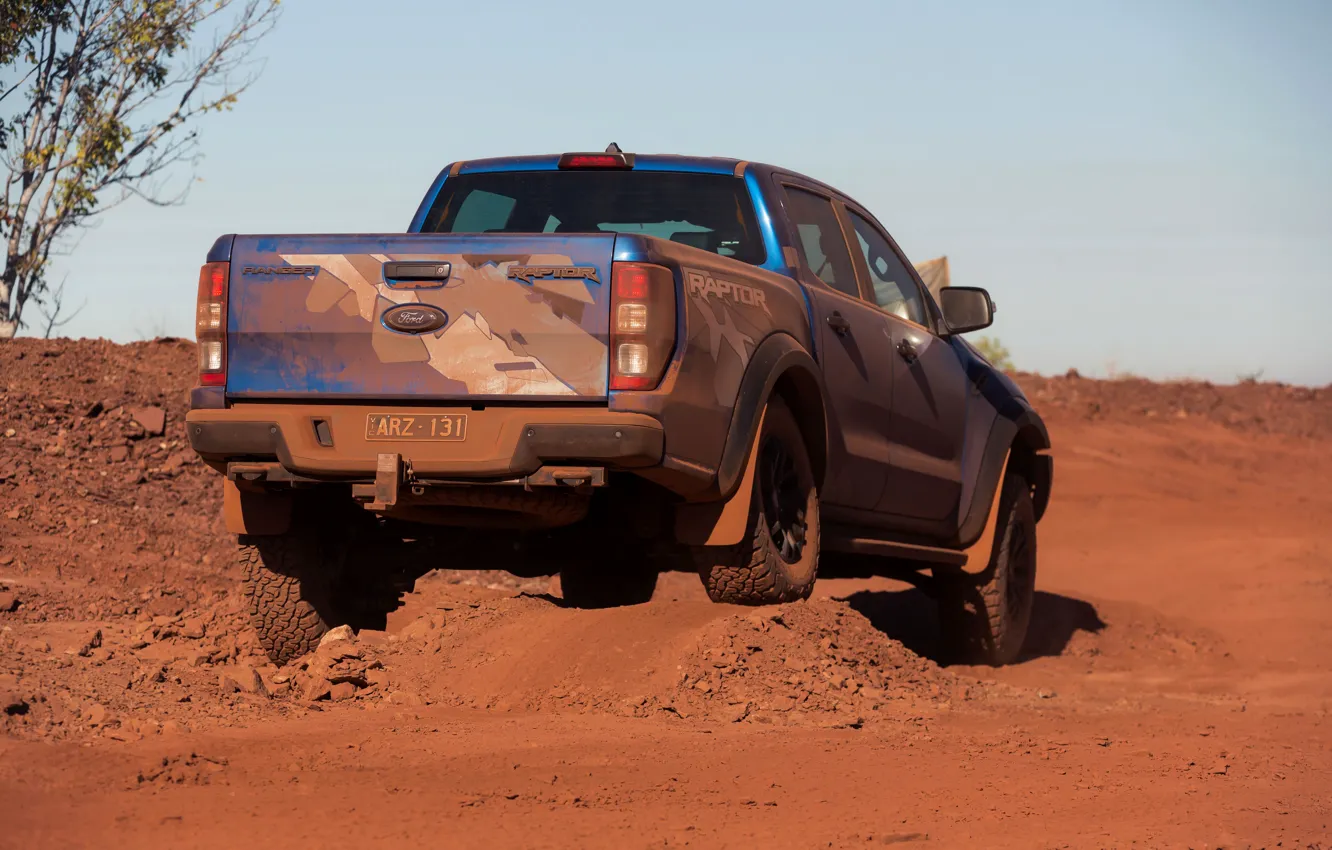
221, 250
423, 210
773, 259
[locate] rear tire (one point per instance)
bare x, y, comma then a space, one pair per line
778, 559
289, 589
983, 618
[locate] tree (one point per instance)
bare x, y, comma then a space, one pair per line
99, 102
992, 350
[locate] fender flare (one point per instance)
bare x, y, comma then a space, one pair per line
721, 516
1022, 428
778, 355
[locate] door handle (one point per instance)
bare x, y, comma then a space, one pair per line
417, 275
907, 349
839, 324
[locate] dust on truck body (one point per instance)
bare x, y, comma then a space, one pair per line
605, 366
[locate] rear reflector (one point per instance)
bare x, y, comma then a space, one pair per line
210, 324
597, 160
643, 330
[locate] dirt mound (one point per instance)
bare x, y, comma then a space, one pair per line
818, 663
815, 663
1248, 406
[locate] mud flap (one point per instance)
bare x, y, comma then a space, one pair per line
978, 553
255, 512
720, 523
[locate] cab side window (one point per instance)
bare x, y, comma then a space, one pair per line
894, 290
821, 243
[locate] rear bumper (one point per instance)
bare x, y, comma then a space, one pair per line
501, 443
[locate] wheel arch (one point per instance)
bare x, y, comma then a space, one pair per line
1018, 439
779, 366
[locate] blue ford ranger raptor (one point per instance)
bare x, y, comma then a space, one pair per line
606, 365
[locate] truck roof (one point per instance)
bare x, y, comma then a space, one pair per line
642, 162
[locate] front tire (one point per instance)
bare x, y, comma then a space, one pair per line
778, 559
983, 618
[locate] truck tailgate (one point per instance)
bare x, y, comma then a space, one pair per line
518, 315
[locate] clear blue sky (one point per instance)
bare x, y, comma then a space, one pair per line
1144, 187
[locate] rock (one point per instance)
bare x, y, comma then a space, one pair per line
316, 689
8, 602
229, 685
94, 410
1221, 768
119, 454
405, 698
251, 682
342, 691
95, 714
336, 634
152, 674
151, 419
165, 606
93, 642
192, 628
13, 704
735, 713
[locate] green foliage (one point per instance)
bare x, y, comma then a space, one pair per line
992, 350
101, 109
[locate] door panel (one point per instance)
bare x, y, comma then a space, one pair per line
854, 341
928, 427
859, 391
929, 387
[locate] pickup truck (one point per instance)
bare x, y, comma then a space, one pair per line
606, 365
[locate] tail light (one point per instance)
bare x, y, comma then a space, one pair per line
210, 324
642, 325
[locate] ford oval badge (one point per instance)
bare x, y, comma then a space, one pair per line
414, 318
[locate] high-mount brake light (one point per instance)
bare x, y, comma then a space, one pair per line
642, 325
210, 324
597, 160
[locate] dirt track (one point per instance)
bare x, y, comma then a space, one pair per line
1175, 693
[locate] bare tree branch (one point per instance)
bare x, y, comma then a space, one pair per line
114, 90
52, 316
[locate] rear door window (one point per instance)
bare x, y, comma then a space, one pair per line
820, 241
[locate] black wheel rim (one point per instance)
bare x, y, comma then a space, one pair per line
783, 500
1017, 589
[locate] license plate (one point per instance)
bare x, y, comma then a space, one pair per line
394, 426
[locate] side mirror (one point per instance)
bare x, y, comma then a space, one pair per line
966, 308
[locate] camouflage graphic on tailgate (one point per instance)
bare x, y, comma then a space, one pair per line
541, 332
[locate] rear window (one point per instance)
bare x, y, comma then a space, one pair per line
708, 211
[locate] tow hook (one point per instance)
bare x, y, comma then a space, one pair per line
391, 471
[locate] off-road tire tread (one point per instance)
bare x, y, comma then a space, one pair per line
985, 639
281, 611
751, 572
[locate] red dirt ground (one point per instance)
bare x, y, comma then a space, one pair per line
1175, 689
